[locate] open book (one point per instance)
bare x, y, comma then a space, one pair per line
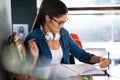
67, 70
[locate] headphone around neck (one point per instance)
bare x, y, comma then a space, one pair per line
50, 36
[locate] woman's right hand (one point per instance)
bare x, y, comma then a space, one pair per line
33, 48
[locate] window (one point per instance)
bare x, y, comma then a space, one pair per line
83, 3
95, 27
93, 20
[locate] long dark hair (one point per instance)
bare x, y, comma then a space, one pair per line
52, 8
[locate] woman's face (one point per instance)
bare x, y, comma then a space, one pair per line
56, 24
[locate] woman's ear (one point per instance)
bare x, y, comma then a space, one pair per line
47, 18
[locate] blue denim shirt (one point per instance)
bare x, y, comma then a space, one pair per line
67, 43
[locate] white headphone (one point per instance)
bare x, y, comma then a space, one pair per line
50, 36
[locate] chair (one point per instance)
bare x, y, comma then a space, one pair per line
76, 39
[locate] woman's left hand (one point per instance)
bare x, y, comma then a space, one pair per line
33, 48
104, 62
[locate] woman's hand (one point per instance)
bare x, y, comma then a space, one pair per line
33, 48
35, 52
104, 62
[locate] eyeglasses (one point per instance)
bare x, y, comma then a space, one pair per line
59, 22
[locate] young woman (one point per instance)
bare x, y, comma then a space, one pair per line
50, 43
54, 44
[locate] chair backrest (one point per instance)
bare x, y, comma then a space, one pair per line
76, 39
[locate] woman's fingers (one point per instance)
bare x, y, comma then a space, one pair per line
33, 48
104, 62
31, 43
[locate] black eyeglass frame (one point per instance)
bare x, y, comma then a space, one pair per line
59, 23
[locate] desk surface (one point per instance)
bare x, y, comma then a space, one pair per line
105, 78
115, 71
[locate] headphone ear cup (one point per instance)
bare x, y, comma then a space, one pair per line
57, 36
49, 36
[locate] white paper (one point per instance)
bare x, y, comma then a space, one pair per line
67, 70
84, 69
53, 71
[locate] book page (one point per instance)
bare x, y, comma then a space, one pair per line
55, 71
84, 69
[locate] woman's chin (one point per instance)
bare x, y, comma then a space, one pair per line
57, 30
